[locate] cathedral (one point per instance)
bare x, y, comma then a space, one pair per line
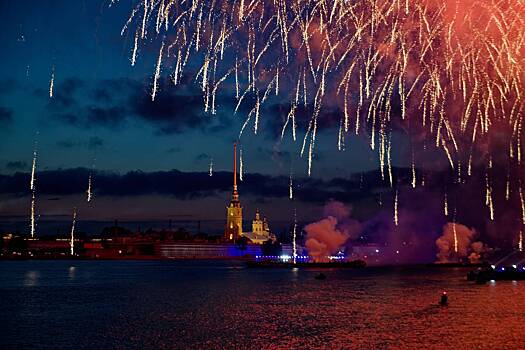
233, 230
260, 230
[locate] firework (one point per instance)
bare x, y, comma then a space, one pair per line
241, 164
52, 83
211, 167
454, 230
455, 69
290, 188
72, 240
294, 238
455, 237
89, 193
445, 204
396, 213
157, 74
32, 187
32, 219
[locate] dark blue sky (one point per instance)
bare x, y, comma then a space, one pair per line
102, 110
96, 112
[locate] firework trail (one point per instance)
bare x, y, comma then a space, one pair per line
32, 187
396, 203
445, 204
294, 238
33, 168
452, 71
290, 187
241, 165
89, 191
211, 167
520, 241
454, 230
32, 219
157, 74
52, 83
72, 241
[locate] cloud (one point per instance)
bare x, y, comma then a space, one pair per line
171, 183
95, 142
92, 143
6, 116
16, 165
202, 157
176, 110
111, 103
175, 149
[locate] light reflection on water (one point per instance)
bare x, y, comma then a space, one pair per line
214, 305
31, 278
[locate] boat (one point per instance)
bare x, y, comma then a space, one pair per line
503, 273
289, 264
320, 276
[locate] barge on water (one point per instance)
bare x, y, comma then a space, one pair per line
306, 264
491, 273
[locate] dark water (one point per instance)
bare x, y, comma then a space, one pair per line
221, 305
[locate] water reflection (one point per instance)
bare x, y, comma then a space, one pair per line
72, 272
31, 278
220, 305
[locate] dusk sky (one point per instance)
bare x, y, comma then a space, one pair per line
151, 159
102, 114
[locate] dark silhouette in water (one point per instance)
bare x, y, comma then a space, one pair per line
444, 299
320, 276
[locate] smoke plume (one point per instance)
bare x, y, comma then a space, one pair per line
327, 236
456, 243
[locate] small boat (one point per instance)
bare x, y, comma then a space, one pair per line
320, 276
443, 301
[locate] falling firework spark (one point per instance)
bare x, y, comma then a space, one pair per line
33, 169
294, 238
455, 70
520, 241
455, 232
32, 187
32, 215
290, 187
211, 167
396, 218
88, 192
445, 205
52, 83
241, 165
455, 237
72, 241
157, 74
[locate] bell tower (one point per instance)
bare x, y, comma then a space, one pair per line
233, 229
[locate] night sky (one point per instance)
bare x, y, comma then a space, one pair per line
101, 112
151, 159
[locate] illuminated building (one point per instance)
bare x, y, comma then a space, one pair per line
233, 229
260, 230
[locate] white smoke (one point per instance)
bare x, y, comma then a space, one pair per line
457, 243
327, 236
